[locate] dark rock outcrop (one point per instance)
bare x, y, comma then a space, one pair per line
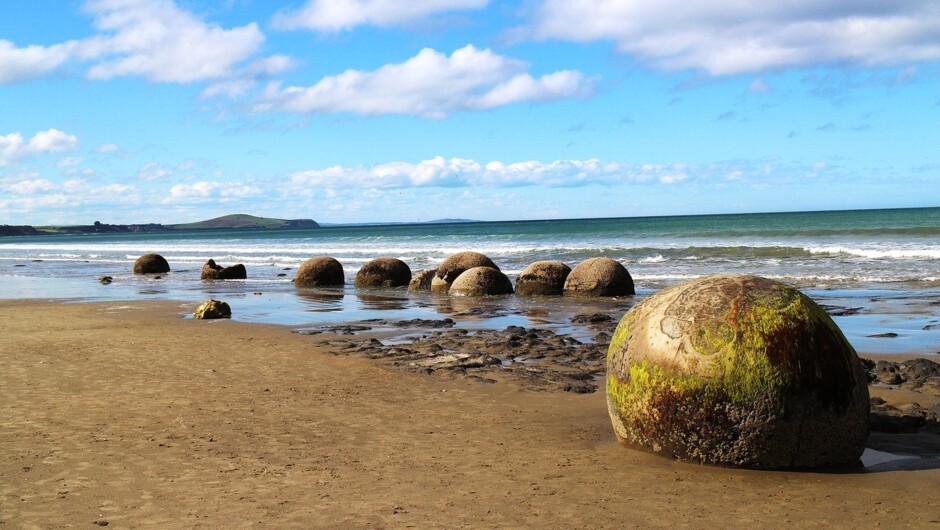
211, 271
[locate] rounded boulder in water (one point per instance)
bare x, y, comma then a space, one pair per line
421, 281
599, 277
481, 281
737, 371
454, 266
543, 278
384, 272
151, 264
322, 271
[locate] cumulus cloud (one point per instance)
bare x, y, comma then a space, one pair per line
14, 146
161, 42
107, 148
729, 37
457, 172
30, 62
430, 84
153, 171
154, 39
339, 15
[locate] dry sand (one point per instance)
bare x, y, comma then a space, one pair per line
126, 415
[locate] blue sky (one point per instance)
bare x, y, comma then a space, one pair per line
379, 110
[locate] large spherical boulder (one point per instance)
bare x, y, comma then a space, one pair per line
542, 278
211, 309
599, 277
212, 271
384, 272
320, 272
151, 264
454, 266
737, 371
422, 280
481, 281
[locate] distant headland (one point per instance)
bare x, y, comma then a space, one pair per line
226, 222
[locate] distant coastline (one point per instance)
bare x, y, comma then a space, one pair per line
226, 222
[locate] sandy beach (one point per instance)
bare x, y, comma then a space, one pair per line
125, 415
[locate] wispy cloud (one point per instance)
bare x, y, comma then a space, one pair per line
726, 37
430, 84
339, 15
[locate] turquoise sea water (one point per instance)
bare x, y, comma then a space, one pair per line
883, 259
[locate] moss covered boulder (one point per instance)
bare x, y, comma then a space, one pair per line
454, 266
212, 271
322, 271
421, 281
737, 371
543, 278
151, 264
481, 281
211, 309
599, 277
384, 272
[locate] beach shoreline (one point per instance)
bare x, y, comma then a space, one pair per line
125, 413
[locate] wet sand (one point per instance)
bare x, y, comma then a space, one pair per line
127, 415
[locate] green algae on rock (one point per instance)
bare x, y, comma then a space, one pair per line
737, 371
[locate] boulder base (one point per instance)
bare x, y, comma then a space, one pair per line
737, 371
422, 280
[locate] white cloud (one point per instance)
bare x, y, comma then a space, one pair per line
51, 140
338, 15
30, 186
107, 148
30, 62
13, 146
161, 42
729, 36
153, 171
430, 85
212, 189
456, 172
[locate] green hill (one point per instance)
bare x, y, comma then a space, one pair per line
246, 221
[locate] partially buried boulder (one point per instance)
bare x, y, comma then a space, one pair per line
454, 266
211, 309
320, 272
422, 280
542, 278
737, 371
481, 281
599, 277
211, 271
384, 272
151, 264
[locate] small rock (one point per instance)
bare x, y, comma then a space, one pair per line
212, 309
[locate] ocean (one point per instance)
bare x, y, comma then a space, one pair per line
880, 268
